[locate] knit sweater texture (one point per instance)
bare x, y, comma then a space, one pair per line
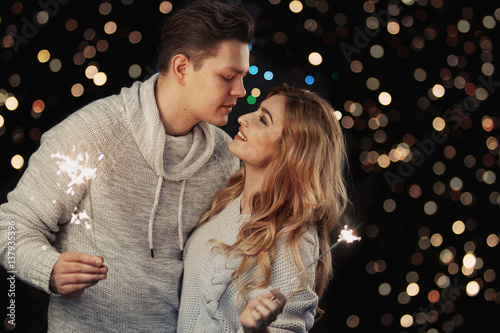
145, 190
208, 298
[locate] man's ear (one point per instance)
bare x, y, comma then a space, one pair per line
179, 66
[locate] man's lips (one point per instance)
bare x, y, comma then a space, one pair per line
228, 107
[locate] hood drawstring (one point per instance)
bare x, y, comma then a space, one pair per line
179, 218
153, 213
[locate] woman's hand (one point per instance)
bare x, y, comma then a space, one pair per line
261, 311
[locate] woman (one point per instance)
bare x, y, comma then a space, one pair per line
268, 226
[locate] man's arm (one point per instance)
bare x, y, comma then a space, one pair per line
37, 207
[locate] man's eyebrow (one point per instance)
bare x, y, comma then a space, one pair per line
268, 113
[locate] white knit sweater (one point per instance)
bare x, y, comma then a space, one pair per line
208, 298
149, 191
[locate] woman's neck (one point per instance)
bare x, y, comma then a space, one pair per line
253, 184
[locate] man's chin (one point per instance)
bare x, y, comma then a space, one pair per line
219, 121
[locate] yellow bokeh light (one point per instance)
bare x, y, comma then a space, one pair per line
456, 183
315, 58
446, 256
100, 78
2, 121
442, 280
385, 98
463, 26
255, 92
436, 240
296, 6
91, 71
43, 56
458, 227
355, 109
492, 239
489, 22
110, 27
11, 103
17, 162
384, 161
77, 90
393, 27
469, 260
42, 17
489, 177
165, 7
406, 320
413, 289
472, 288
438, 90
438, 123
337, 114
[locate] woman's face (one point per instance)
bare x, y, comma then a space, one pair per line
259, 133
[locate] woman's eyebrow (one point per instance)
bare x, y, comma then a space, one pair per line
268, 113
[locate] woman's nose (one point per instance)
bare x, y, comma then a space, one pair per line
243, 120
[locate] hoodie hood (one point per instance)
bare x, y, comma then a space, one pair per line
147, 129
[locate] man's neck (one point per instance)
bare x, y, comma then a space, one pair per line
172, 113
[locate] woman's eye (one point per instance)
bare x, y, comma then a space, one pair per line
226, 78
262, 120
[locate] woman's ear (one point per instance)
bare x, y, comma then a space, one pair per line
179, 65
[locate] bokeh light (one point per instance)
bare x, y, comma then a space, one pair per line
415, 88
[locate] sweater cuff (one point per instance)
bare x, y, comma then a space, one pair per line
41, 268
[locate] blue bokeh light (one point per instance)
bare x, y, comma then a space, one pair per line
309, 79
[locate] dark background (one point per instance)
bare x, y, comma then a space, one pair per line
393, 248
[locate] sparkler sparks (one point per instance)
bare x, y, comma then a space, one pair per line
345, 236
79, 217
348, 236
77, 172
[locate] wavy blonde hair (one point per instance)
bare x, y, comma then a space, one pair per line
305, 189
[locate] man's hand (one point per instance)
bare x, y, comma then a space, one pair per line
261, 311
74, 271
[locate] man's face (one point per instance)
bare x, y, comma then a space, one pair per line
212, 90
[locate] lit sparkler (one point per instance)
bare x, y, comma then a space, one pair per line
346, 235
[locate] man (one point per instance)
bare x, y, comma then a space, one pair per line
125, 179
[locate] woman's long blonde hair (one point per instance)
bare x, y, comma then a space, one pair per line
305, 189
